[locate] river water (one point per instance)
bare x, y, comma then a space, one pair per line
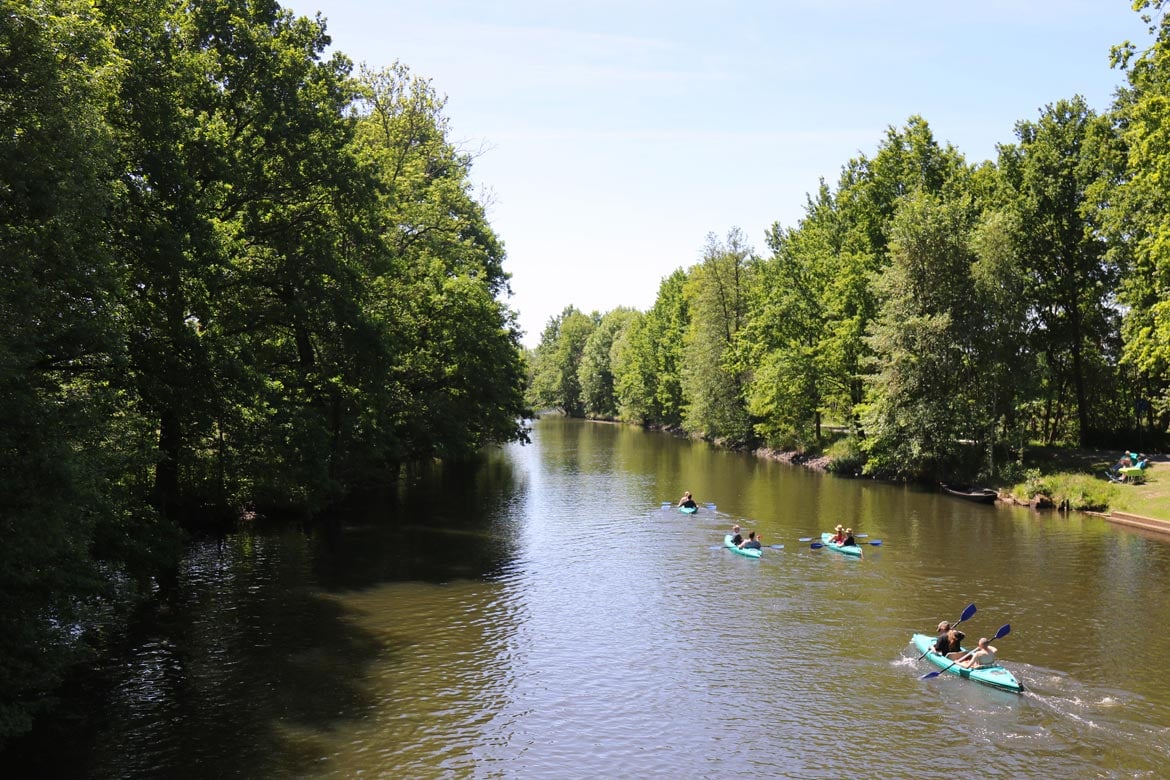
545, 616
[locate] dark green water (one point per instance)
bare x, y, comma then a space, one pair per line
546, 617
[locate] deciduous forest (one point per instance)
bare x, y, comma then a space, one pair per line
927, 316
236, 274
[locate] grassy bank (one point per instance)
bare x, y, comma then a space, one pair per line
1076, 479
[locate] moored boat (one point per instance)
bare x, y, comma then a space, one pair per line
750, 552
847, 549
979, 495
994, 676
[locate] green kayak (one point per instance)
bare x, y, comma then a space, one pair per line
847, 549
995, 676
688, 510
748, 553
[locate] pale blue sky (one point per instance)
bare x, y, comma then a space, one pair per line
616, 135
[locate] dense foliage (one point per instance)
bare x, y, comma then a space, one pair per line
940, 315
233, 273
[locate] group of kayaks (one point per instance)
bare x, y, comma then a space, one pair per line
994, 676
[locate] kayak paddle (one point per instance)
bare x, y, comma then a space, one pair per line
967, 614
1004, 630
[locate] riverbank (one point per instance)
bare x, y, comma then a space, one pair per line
1076, 479
1058, 478
1065, 480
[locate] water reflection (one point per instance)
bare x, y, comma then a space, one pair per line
542, 615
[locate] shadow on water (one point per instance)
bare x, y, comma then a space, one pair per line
255, 659
441, 523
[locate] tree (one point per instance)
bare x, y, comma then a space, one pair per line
71, 508
448, 360
713, 384
595, 373
556, 380
920, 398
785, 337
1140, 215
1050, 174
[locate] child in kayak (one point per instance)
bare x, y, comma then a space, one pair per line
849, 540
736, 536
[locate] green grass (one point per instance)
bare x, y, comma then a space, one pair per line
1078, 477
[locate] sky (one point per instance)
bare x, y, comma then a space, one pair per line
611, 138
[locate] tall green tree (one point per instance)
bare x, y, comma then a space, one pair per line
1141, 211
908, 160
786, 338
921, 400
72, 513
556, 382
451, 376
596, 373
713, 381
1050, 173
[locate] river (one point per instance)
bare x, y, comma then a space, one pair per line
545, 616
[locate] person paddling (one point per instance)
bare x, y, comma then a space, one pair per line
983, 655
752, 543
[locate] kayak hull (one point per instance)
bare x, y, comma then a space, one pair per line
688, 510
994, 676
845, 549
749, 553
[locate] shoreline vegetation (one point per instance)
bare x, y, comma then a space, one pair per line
1062, 479
929, 318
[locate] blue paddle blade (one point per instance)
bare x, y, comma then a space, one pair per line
876, 542
815, 546
967, 613
805, 539
1004, 630
776, 546
929, 675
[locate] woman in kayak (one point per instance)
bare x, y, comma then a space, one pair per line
839, 536
686, 501
752, 543
949, 643
983, 655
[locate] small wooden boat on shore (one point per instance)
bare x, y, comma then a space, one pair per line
980, 495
